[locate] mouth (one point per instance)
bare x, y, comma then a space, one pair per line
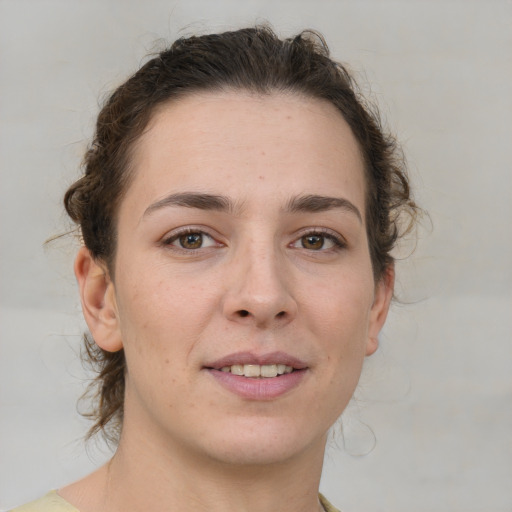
248, 364
257, 371
258, 377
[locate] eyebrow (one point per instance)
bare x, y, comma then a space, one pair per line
202, 201
317, 203
192, 200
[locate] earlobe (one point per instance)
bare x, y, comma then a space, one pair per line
379, 312
97, 294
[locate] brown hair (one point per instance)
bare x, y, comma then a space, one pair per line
252, 59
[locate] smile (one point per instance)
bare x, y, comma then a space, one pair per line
257, 371
258, 376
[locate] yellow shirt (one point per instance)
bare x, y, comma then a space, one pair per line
52, 502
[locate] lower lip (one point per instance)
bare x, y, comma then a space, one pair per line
265, 388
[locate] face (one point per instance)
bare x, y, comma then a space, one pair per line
244, 296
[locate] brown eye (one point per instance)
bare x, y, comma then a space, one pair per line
313, 242
191, 240
319, 241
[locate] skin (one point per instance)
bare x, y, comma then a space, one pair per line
264, 278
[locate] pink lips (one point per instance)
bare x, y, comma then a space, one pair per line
250, 358
258, 388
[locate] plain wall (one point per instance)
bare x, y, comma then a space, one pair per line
438, 394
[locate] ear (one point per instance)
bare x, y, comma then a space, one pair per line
379, 311
98, 298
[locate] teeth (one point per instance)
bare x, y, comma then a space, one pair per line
252, 370
237, 369
256, 370
269, 370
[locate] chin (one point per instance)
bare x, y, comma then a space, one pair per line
263, 442
252, 454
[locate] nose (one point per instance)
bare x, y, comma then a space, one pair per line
260, 291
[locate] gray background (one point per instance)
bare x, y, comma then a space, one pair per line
437, 396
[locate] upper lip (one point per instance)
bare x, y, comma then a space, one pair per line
259, 359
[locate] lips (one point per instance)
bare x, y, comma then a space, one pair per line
249, 358
258, 377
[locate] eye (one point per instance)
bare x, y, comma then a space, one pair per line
190, 240
315, 242
319, 241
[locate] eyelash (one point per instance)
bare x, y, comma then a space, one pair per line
326, 234
337, 240
168, 241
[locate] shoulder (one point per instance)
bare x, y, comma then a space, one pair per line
51, 502
326, 505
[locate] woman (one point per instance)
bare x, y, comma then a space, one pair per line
237, 211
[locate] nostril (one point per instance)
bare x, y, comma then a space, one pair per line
243, 313
280, 314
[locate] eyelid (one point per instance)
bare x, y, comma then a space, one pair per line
173, 235
339, 241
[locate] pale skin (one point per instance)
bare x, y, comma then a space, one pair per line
243, 230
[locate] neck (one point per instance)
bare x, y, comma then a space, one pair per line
142, 476
178, 479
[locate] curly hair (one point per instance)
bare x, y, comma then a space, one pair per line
252, 59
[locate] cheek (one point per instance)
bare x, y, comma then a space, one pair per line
339, 316
341, 308
162, 315
152, 295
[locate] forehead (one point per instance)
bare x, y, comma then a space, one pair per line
240, 141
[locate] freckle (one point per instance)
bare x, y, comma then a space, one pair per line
167, 361
263, 153
261, 177
288, 117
